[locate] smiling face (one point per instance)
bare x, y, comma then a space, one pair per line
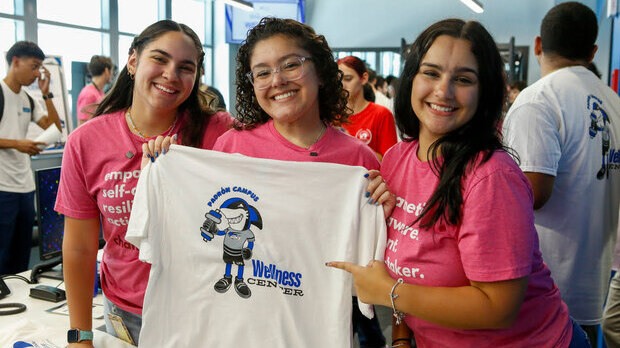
165, 72
286, 102
352, 82
237, 217
444, 93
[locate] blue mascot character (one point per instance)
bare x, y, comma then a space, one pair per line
233, 220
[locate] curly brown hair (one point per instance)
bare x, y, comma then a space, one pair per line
332, 96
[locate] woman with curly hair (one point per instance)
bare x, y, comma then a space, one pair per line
289, 97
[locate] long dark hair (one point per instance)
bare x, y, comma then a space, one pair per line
332, 96
197, 104
472, 143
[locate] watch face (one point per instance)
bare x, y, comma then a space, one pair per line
73, 336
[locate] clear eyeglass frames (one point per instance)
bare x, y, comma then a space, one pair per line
290, 69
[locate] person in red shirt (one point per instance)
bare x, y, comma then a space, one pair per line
371, 123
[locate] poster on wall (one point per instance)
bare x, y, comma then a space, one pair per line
612, 8
239, 21
59, 90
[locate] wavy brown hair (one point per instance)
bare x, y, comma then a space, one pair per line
332, 96
197, 104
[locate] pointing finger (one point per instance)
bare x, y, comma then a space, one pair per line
345, 266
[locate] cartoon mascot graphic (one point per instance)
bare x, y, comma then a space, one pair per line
233, 220
599, 123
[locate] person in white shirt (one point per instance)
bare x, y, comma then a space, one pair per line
17, 110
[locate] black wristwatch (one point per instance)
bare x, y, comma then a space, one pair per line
76, 335
49, 96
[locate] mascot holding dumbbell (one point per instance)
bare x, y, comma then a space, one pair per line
233, 220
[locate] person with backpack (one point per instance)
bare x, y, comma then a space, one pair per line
17, 110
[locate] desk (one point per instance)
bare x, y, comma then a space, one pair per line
46, 327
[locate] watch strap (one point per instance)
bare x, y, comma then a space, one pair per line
48, 96
76, 335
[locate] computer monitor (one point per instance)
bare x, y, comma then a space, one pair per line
51, 225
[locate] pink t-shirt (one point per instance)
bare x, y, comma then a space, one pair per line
87, 100
265, 141
496, 240
100, 181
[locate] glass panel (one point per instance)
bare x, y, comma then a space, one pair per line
79, 12
55, 40
371, 60
124, 42
7, 39
135, 15
208, 23
386, 63
192, 14
208, 63
396, 64
7, 6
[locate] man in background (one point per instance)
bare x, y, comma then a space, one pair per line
16, 181
565, 128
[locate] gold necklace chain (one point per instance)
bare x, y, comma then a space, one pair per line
142, 135
319, 136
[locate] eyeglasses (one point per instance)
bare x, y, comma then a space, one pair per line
290, 69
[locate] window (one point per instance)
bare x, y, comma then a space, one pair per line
7, 7
390, 64
191, 13
135, 15
79, 12
8, 28
61, 41
124, 42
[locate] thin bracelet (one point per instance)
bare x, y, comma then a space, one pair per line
408, 340
400, 345
397, 314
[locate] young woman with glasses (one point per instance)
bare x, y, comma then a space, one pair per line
289, 97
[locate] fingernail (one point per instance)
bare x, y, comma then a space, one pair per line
176, 136
377, 203
148, 155
366, 175
326, 263
153, 159
367, 194
163, 151
156, 154
370, 201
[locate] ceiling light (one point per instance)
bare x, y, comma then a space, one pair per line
244, 5
474, 5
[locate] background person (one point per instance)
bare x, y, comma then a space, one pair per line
371, 123
155, 94
102, 70
25, 61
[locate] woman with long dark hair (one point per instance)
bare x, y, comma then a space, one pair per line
462, 264
155, 95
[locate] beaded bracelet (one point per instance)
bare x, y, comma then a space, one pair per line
397, 314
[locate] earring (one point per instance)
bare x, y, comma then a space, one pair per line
131, 76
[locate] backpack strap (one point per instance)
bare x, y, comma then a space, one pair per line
1, 103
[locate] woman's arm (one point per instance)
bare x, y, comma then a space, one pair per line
481, 305
401, 334
79, 254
